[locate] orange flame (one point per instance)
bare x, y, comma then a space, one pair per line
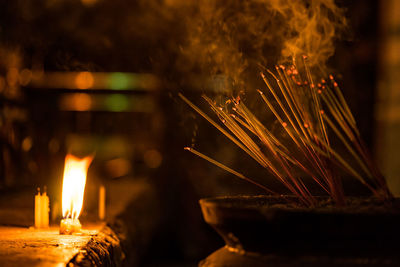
74, 181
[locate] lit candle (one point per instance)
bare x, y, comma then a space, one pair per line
69, 226
74, 180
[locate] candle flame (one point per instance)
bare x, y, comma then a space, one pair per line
74, 181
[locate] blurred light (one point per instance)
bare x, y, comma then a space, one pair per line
27, 143
25, 77
119, 81
114, 147
12, 76
89, 2
84, 80
77, 101
82, 102
117, 102
106, 102
152, 158
94, 80
118, 167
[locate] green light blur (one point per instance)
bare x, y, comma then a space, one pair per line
117, 102
121, 81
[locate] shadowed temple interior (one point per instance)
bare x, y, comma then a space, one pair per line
101, 103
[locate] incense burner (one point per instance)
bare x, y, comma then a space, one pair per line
269, 231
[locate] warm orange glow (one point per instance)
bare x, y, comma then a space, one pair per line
84, 80
74, 181
76, 101
12, 76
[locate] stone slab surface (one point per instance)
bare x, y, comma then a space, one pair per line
29, 247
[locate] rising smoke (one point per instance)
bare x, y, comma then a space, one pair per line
231, 37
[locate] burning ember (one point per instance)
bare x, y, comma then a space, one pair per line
74, 181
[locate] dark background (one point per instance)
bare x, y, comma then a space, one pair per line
141, 37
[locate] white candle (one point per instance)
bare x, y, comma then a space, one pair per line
38, 208
41, 210
44, 210
102, 202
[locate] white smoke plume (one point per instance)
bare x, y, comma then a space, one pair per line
231, 37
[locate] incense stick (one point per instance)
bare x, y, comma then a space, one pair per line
303, 104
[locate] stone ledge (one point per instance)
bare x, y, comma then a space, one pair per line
103, 249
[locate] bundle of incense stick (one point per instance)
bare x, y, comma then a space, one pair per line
307, 111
